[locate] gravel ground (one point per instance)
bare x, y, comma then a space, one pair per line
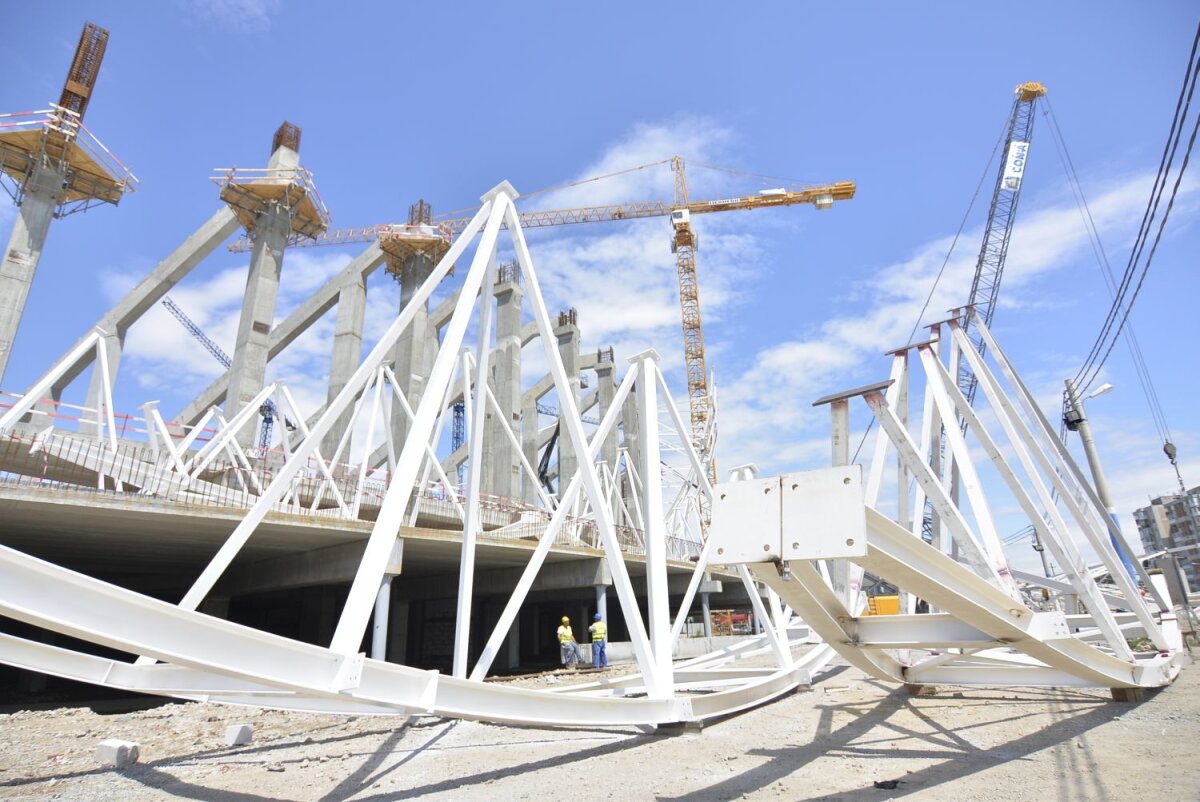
831, 743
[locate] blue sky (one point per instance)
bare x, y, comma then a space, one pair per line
442, 101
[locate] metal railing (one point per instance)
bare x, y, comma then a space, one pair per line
62, 461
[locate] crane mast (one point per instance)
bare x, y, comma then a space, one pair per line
1002, 213
683, 245
989, 268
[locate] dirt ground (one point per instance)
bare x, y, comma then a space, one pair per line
830, 743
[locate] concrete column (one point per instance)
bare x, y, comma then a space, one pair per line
379, 629
632, 441
602, 601
24, 251
567, 334
113, 345
529, 444
512, 647
216, 606
397, 635
347, 352
606, 389
251, 350
502, 466
383, 602
706, 611
411, 360
248, 372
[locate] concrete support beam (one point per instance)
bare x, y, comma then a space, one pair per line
295, 324
328, 566
149, 291
575, 574
24, 251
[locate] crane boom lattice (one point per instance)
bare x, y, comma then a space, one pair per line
1002, 213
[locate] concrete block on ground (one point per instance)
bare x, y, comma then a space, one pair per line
679, 727
117, 753
1129, 695
238, 734
921, 690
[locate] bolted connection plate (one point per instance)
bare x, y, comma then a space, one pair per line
811, 515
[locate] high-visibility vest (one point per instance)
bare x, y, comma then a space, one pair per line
565, 635
599, 631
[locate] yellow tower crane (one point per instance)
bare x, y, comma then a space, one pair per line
421, 234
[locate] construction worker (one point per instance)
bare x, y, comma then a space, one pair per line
599, 641
567, 647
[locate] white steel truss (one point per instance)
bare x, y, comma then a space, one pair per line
184, 653
989, 626
808, 537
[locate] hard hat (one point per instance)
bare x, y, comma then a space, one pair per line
565, 619
597, 616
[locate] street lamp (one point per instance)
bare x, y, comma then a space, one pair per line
1076, 421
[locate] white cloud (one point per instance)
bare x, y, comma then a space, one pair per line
239, 15
162, 356
622, 276
769, 401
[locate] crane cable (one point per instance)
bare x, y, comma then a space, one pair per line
468, 209
950, 252
580, 182
1095, 361
1085, 212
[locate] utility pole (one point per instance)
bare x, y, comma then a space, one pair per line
1077, 422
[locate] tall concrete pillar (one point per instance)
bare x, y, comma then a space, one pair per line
379, 627
411, 358
248, 373
632, 444
512, 648
706, 612
606, 390
567, 334
347, 352
24, 251
113, 344
503, 466
529, 444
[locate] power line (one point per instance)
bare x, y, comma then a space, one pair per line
938, 278
1153, 248
1093, 362
1135, 351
